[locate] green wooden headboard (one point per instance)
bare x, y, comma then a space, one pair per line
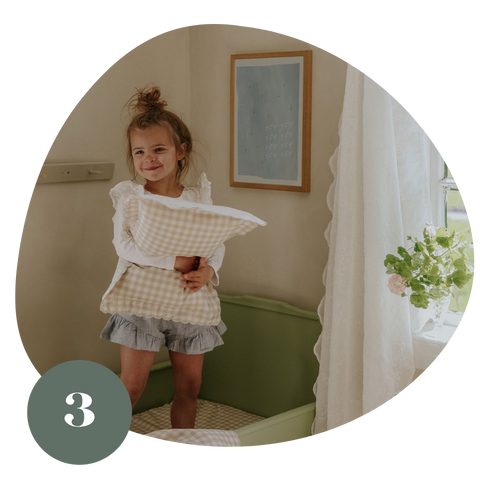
267, 365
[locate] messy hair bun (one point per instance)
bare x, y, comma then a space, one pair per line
146, 100
148, 110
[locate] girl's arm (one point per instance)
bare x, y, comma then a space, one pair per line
215, 261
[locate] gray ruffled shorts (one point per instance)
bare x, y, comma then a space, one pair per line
151, 334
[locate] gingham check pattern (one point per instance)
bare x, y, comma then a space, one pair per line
158, 293
185, 232
161, 230
207, 438
210, 415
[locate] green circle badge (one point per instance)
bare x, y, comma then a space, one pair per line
79, 412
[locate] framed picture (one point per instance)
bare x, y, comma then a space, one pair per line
270, 124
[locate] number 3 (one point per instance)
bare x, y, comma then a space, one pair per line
88, 415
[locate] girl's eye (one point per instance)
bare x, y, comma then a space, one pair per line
159, 149
138, 152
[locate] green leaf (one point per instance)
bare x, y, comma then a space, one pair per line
442, 237
427, 261
419, 300
391, 259
417, 260
434, 270
459, 263
390, 269
406, 256
460, 278
416, 286
403, 269
436, 293
441, 232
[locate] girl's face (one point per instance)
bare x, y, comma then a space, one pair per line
154, 154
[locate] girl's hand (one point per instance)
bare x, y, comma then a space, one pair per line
196, 279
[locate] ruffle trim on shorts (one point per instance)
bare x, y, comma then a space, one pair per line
120, 330
209, 338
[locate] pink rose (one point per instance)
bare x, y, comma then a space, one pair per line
396, 285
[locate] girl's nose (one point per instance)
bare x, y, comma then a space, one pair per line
150, 158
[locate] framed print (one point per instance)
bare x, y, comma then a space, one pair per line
270, 120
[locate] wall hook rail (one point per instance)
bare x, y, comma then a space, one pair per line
75, 172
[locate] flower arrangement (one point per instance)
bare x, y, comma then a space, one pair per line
430, 267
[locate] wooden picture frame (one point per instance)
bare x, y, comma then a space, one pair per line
270, 120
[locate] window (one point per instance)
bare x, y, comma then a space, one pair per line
449, 210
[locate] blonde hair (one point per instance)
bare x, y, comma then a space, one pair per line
148, 110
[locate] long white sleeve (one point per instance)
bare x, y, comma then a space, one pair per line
215, 261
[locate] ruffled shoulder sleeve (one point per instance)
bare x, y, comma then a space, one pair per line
202, 192
123, 190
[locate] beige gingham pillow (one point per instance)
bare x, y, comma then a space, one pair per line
197, 438
158, 293
161, 226
164, 226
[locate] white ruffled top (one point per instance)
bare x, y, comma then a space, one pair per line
200, 193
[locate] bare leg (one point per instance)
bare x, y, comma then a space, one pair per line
187, 378
136, 366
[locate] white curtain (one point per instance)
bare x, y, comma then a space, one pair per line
379, 196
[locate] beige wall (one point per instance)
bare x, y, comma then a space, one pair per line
67, 260
284, 260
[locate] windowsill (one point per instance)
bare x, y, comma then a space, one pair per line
453, 318
427, 346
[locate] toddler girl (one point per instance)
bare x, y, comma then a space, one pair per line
159, 148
